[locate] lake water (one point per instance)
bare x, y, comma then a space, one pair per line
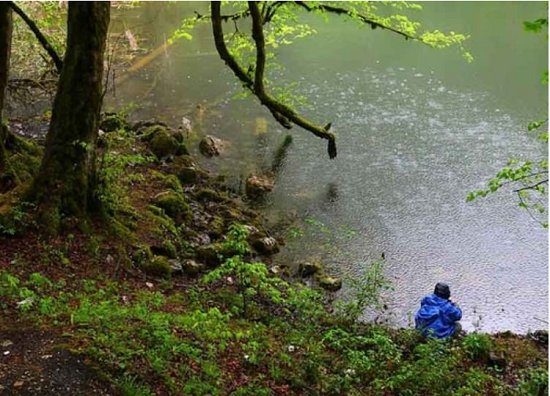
417, 130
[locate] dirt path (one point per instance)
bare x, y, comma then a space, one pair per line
34, 363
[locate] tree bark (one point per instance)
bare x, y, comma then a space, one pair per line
64, 185
6, 28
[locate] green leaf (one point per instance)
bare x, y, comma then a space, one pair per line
535, 26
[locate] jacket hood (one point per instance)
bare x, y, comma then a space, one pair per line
433, 299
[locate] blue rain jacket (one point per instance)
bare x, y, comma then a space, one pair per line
437, 316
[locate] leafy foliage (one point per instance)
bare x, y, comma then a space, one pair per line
192, 343
529, 178
28, 56
252, 279
366, 292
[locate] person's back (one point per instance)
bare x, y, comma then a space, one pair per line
438, 316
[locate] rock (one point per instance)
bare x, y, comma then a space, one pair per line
211, 146
163, 145
179, 136
167, 249
208, 194
175, 265
183, 161
6, 343
113, 121
142, 254
191, 267
188, 175
266, 245
308, 269
232, 214
497, 359
149, 132
280, 270
216, 227
540, 336
141, 126
158, 266
187, 171
174, 205
259, 185
186, 124
330, 283
200, 239
173, 183
275, 270
252, 231
209, 255
162, 141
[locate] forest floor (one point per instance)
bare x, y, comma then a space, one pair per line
176, 295
38, 362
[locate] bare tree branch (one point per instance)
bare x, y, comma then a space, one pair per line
41, 38
532, 187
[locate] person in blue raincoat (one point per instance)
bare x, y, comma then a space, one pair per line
438, 315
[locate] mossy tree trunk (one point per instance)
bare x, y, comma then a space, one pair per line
64, 185
6, 28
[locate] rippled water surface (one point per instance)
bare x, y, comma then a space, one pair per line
417, 130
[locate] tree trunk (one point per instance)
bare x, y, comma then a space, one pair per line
65, 182
5, 50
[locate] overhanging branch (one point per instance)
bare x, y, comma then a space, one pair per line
41, 38
282, 113
533, 186
342, 11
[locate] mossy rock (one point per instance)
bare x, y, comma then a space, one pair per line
123, 257
216, 227
209, 195
211, 146
149, 132
21, 161
188, 175
257, 186
164, 145
232, 214
309, 268
113, 122
191, 267
330, 283
211, 255
265, 245
174, 205
167, 249
187, 170
158, 266
179, 136
183, 161
173, 183
141, 126
280, 270
142, 255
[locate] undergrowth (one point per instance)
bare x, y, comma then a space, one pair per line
243, 332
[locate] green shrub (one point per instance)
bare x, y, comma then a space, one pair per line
477, 346
534, 382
